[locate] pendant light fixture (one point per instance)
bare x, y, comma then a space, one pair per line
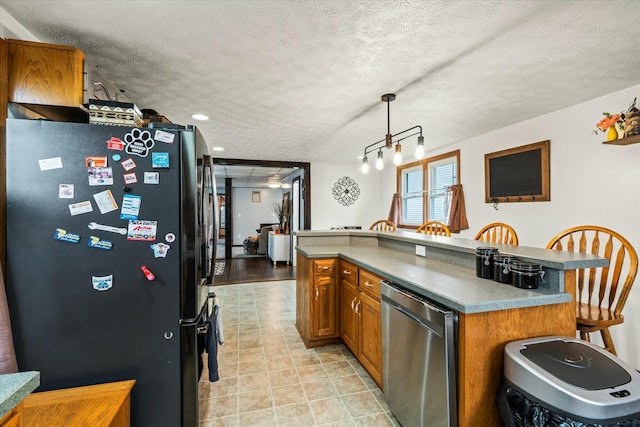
389, 141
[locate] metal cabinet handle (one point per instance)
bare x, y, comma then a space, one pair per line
370, 285
347, 272
358, 308
325, 267
353, 302
317, 293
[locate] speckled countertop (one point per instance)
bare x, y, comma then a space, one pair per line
15, 387
453, 286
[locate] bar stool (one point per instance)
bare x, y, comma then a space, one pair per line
497, 232
600, 296
434, 227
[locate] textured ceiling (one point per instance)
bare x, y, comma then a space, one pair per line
302, 80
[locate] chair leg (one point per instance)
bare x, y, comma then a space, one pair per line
608, 341
585, 336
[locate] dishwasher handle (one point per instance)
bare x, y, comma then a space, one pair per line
423, 322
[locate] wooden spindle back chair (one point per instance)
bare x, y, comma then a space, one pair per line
497, 232
434, 227
383, 225
601, 292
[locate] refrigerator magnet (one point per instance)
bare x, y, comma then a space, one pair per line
151, 178
64, 236
80, 207
162, 136
95, 161
130, 178
142, 230
170, 237
102, 283
100, 176
128, 164
160, 160
52, 163
116, 157
105, 201
130, 207
160, 249
138, 142
95, 242
115, 144
65, 191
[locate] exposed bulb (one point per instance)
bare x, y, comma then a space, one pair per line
380, 161
397, 157
420, 148
365, 165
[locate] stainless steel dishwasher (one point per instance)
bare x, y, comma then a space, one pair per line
418, 358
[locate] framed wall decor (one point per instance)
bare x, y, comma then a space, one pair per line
519, 174
255, 196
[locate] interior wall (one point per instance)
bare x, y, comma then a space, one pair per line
327, 212
248, 215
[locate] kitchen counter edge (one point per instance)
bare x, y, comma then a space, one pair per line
15, 387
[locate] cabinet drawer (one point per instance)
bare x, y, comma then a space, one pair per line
370, 283
324, 266
349, 272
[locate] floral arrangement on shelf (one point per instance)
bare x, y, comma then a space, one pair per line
610, 120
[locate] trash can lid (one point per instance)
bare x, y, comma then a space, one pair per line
577, 364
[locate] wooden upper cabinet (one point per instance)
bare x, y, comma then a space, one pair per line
41, 73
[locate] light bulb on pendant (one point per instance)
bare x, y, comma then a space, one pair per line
397, 158
365, 165
380, 161
420, 148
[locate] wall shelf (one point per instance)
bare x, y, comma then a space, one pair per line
635, 139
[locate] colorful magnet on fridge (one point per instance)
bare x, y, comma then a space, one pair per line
100, 176
116, 157
63, 236
128, 164
160, 249
65, 191
105, 201
148, 274
170, 237
160, 160
95, 161
151, 178
95, 242
80, 207
102, 283
142, 230
130, 178
115, 144
130, 207
138, 142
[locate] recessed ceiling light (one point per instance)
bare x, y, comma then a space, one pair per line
199, 117
218, 148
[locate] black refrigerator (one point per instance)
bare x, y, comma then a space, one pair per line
111, 235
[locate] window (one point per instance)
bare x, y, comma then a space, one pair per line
423, 186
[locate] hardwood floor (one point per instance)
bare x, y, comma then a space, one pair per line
243, 270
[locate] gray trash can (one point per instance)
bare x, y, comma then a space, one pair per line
563, 381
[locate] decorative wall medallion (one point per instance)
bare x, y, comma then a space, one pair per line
346, 191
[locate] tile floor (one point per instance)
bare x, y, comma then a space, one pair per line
269, 378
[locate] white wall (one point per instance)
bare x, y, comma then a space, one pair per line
248, 215
591, 183
326, 212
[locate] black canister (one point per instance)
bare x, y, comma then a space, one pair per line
484, 261
526, 275
502, 268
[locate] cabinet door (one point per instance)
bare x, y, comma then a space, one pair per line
323, 307
41, 73
370, 349
349, 324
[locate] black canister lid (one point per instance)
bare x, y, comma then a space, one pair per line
500, 258
523, 266
486, 250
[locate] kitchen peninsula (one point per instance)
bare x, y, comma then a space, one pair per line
490, 314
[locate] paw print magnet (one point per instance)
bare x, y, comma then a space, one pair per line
138, 142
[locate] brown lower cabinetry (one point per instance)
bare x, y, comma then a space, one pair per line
360, 311
316, 301
13, 418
